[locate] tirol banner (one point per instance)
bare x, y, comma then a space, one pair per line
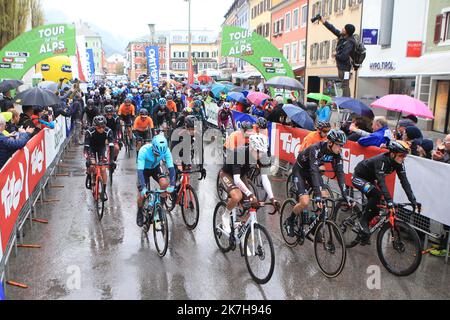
256, 50
90, 65
38, 44
153, 64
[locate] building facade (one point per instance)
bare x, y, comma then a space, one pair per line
93, 41
289, 23
260, 17
115, 64
321, 71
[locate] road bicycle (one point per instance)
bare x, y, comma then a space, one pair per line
222, 192
253, 239
127, 142
329, 246
398, 244
291, 188
186, 197
97, 189
155, 214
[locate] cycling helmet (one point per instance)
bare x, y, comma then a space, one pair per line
226, 106
107, 97
163, 102
127, 100
99, 121
189, 122
188, 110
259, 142
198, 104
399, 147
153, 95
323, 125
246, 125
337, 137
147, 96
160, 145
130, 96
261, 123
143, 112
91, 102
109, 109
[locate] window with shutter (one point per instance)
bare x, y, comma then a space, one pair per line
311, 52
438, 28
321, 51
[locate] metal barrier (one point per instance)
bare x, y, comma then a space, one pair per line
28, 212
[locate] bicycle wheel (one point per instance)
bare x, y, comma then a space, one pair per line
221, 191
222, 239
329, 249
399, 248
286, 211
290, 187
259, 254
192, 212
345, 217
161, 230
99, 203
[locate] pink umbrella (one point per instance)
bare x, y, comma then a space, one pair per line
257, 97
404, 104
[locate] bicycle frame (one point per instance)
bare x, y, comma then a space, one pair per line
185, 181
98, 178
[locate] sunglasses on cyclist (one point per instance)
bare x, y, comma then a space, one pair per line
402, 155
101, 127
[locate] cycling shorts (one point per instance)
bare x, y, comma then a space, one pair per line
302, 181
143, 135
128, 119
228, 181
156, 173
98, 155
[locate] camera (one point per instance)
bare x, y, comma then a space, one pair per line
317, 17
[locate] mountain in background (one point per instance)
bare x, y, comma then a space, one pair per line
111, 44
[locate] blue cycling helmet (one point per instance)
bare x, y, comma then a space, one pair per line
198, 104
130, 96
160, 145
163, 102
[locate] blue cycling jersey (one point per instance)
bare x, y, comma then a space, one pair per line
147, 159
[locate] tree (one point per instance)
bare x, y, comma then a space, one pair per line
15, 16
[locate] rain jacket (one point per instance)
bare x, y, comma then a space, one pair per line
8, 146
382, 136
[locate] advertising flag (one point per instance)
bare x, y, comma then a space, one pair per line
90, 65
153, 64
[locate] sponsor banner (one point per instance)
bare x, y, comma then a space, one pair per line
430, 183
54, 139
68, 126
35, 151
2, 292
212, 111
1, 255
152, 54
241, 117
286, 146
90, 66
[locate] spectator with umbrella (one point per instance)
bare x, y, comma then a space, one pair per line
277, 113
299, 116
5, 88
381, 134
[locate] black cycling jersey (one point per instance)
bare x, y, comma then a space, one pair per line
377, 168
315, 156
91, 113
114, 125
95, 140
162, 114
241, 162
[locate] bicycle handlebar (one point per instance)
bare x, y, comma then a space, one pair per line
247, 205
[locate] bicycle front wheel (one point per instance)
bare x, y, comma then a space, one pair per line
191, 209
399, 248
161, 230
98, 202
259, 254
222, 239
286, 211
329, 249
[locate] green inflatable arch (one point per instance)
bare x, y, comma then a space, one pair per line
34, 46
256, 50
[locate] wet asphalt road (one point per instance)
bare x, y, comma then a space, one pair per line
114, 261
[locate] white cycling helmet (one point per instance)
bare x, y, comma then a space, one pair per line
259, 142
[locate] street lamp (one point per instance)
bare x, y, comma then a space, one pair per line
190, 67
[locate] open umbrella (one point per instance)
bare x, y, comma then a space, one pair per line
355, 106
195, 87
205, 79
236, 96
37, 97
257, 97
218, 88
285, 83
299, 116
319, 97
8, 85
48, 85
404, 104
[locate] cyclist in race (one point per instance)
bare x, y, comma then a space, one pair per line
127, 113
143, 127
147, 103
199, 112
181, 118
224, 117
162, 114
149, 159
91, 112
306, 173
370, 178
239, 138
323, 128
172, 106
261, 126
234, 174
95, 141
113, 123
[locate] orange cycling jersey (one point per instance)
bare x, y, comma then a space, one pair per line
236, 140
142, 124
172, 106
310, 139
125, 110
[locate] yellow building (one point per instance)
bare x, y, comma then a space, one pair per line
321, 70
261, 17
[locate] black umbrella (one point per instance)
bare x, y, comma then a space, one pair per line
37, 97
8, 85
